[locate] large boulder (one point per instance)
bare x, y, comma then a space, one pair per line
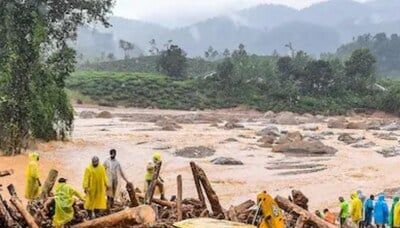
195, 152
363, 145
348, 138
286, 118
338, 122
313, 147
271, 130
309, 127
105, 115
87, 115
266, 141
167, 124
226, 161
386, 136
390, 152
232, 124
357, 125
290, 137
269, 114
391, 127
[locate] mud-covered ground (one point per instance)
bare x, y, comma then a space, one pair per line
137, 133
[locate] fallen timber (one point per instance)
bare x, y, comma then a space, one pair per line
137, 209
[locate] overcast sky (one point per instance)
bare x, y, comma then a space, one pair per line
175, 13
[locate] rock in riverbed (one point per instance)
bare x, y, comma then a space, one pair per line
226, 161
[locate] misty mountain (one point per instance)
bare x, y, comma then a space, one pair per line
262, 29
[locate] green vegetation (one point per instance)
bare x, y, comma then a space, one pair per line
148, 64
299, 83
385, 49
33, 103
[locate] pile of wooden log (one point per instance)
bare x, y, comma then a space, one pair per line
136, 208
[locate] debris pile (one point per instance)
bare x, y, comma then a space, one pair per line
143, 210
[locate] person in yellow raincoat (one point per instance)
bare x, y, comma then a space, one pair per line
64, 200
396, 216
272, 214
95, 187
356, 208
32, 174
149, 174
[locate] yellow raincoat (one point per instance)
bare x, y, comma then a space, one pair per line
273, 217
95, 184
64, 198
356, 208
32, 174
148, 176
396, 216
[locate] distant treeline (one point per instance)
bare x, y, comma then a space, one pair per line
297, 83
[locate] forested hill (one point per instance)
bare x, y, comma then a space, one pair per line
262, 29
386, 50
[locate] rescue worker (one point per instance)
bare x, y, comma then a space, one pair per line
64, 201
396, 215
391, 216
329, 216
344, 211
95, 185
356, 209
32, 174
149, 174
113, 170
381, 212
369, 210
272, 214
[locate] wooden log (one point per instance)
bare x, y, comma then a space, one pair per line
244, 206
49, 184
5, 214
143, 215
232, 214
288, 206
179, 198
164, 203
7, 172
211, 195
197, 183
21, 209
132, 195
28, 217
300, 222
153, 183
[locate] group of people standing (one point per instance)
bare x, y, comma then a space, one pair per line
100, 184
364, 212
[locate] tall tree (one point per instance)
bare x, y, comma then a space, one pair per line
360, 70
35, 60
173, 62
127, 47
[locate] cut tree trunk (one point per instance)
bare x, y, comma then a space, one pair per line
132, 195
301, 221
49, 184
197, 183
244, 206
143, 215
6, 172
28, 217
20, 207
179, 198
4, 213
153, 183
211, 195
232, 214
288, 206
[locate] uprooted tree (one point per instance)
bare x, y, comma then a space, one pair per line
35, 60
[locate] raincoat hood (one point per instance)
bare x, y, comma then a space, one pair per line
157, 156
33, 156
354, 195
381, 198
